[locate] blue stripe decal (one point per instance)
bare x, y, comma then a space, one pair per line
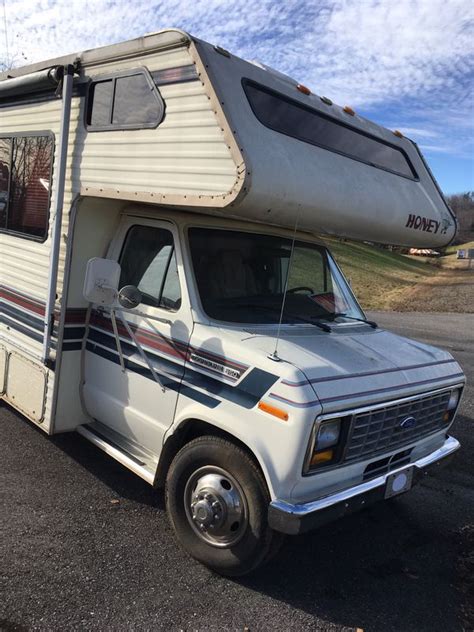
246, 394
76, 345
74, 333
23, 317
23, 330
167, 382
33, 327
294, 404
128, 349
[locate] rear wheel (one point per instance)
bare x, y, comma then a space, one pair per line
217, 501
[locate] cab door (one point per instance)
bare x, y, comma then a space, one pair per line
131, 382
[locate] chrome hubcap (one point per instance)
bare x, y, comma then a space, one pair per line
215, 506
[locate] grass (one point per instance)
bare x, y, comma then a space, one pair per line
379, 278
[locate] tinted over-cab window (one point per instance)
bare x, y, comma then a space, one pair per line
292, 118
25, 184
128, 100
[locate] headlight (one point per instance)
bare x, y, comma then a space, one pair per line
454, 399
451, 408
328, 434
323, 445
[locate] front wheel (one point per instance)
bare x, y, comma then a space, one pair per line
217, 501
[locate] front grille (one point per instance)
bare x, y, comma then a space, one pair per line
387, 464
379, 430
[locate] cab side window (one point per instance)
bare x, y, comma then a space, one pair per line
148, 261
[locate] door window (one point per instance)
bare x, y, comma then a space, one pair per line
148, 262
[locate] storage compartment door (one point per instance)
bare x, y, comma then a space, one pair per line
26, 386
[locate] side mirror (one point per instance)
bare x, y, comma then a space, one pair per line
101, 281
129, 297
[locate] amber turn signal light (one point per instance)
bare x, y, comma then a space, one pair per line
322, 457
273, 410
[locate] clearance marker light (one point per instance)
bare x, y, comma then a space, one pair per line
397, 133
273, 410
303, 89
348, 110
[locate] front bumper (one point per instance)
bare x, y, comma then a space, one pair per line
299, 518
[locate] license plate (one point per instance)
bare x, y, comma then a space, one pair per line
399, 482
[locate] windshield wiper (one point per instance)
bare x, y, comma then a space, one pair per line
311, 321
372, 323
316, 323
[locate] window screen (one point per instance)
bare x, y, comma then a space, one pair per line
148, 262
289, 117
25, 184
101, 95
125, 101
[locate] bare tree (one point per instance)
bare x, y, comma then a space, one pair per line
12, 59
463, 207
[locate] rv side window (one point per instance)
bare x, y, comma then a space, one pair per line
148, 262
25, 184
294, 119
125, 101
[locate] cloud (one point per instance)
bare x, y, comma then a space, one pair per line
404, 62
414, 132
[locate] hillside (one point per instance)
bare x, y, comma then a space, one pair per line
386, 280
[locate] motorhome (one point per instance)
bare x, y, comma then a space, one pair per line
165, 293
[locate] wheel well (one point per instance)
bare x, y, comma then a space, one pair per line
187, 431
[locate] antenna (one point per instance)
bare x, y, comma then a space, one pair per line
274, 356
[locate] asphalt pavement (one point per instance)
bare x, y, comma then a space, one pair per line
86, 545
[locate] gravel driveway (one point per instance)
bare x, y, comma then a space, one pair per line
85, 545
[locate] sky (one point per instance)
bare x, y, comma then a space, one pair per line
406, 64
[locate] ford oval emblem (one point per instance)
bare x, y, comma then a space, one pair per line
408, 422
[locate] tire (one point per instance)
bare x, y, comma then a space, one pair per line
227, 528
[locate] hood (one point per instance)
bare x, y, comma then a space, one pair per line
356, 365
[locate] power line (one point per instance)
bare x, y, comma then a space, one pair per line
5, 28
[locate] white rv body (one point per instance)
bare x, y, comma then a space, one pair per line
143, 382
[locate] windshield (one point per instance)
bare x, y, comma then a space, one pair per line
241, 278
